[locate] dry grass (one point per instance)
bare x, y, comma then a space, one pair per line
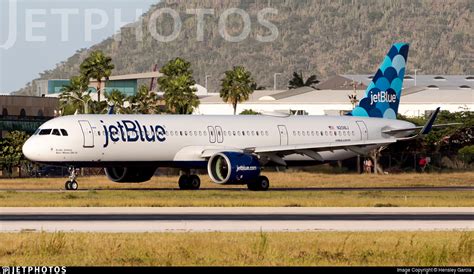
288, 179
244, 198
161, 192
236, 249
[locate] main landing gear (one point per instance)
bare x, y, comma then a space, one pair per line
71, 184
189, 182
261, 184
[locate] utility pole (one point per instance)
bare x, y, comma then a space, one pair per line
415, 75
275, 80
207, 77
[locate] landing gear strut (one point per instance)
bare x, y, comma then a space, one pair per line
189, 182
71, 184
261, 184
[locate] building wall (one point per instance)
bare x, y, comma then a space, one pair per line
410, 110
32, 106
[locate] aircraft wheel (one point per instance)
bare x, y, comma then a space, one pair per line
194, 182
261, 184
67, 185
74, 185
183, 182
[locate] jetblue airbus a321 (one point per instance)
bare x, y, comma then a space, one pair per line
234, 149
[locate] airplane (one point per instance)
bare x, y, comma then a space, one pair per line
233, 149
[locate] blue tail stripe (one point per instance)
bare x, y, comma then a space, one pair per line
382, 96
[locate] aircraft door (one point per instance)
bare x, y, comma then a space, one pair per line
364, 133
212, 134
283, 135
220, 135
87, 133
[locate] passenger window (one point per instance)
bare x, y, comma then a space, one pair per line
253, 133
56, 132
45, 132
257, 133
205, 133
195, 133
266, 132
243, 133
64, 132
304, 134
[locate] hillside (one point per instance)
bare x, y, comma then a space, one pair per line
317, 37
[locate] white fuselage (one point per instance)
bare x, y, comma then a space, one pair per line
179, 141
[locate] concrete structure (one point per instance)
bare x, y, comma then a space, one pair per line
25, 113
127, 84
453, 93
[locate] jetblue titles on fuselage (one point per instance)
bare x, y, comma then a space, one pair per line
132, 131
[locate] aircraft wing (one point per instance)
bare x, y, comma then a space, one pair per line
321, 146
275, 153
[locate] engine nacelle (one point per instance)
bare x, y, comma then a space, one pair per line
129, 174
233, 168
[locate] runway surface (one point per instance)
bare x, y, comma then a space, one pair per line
417, 188
233, 219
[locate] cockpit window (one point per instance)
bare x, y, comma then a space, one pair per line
45, 132
37, 131
56, 132
64, 132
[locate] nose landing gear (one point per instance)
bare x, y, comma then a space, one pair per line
71, 184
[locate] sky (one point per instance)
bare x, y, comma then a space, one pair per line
35, 35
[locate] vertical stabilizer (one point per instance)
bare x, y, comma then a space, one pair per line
382, 96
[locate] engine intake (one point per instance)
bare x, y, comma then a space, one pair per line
129, 174
233, 168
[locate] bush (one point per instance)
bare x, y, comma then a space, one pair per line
467, 153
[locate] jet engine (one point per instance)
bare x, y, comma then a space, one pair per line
129, 174
233, 168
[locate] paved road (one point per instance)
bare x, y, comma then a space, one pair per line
234, 219
418, 188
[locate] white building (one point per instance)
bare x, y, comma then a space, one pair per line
453, 93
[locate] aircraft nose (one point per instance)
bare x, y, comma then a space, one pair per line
28, 149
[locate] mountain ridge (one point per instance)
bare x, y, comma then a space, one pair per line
315, 37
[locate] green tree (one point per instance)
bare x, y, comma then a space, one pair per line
75, 96
97, 66
236, 86
118, 100
249, 112
11, 154
298, 81
177, 85
144, 102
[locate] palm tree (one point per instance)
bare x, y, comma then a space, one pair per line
144, 102
74, 97
236, 86
97, 66
298, 81
117, 99
177, 83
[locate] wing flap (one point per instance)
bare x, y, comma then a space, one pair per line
302, 149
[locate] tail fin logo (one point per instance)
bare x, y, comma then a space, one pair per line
382, 96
